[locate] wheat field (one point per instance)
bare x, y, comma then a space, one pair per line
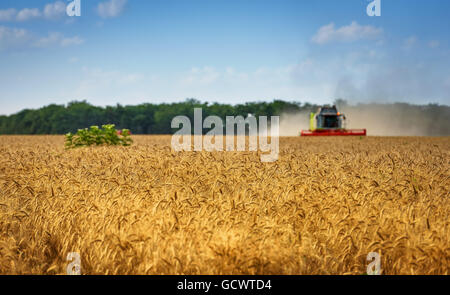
320, 209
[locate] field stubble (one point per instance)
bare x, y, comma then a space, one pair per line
320, 209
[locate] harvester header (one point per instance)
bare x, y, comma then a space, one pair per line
329, 122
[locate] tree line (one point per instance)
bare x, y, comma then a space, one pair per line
150, 118
140, 119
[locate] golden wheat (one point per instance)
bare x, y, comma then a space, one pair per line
320, 209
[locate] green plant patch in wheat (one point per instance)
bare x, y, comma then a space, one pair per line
107, 135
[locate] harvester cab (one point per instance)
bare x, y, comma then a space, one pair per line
329, 122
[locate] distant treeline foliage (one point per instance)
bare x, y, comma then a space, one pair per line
140, 119
156, 118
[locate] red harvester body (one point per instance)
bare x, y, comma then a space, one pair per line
342, 132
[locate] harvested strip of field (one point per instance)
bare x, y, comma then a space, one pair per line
320, 209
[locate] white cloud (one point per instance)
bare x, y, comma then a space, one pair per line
57, 39
13, 38
204, 76
111, 8
110, 84
96, 75
350, 33
7, 15
51, 11
232, 73
28, 14
434, 44
447, 82
55, 10
262, 71
409, 42
71, 41
232, 84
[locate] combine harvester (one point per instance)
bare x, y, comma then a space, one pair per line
329, 122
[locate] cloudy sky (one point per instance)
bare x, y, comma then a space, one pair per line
132, 51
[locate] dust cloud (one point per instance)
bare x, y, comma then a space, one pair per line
292, 123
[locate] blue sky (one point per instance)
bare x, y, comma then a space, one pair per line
133, 51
